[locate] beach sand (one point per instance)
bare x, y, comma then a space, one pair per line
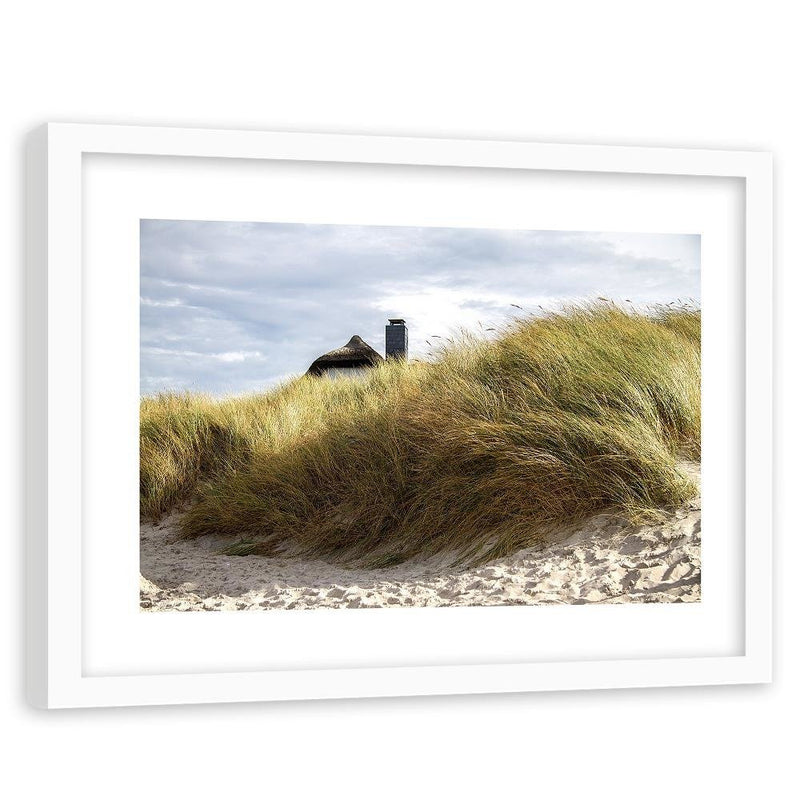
603, 560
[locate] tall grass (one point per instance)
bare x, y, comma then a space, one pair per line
481, 451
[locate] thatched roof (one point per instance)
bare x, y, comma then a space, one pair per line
356, 353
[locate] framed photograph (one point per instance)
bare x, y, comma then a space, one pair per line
324, 416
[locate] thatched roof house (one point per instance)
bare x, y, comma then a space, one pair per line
352, 358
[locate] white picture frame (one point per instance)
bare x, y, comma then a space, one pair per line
60, 296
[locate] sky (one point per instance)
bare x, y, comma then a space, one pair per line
235, 307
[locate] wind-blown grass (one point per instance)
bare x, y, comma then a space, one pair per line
483, 450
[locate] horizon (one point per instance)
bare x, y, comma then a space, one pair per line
234, 307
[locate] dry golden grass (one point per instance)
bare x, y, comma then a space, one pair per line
481, 451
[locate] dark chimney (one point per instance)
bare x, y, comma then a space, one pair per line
396, 339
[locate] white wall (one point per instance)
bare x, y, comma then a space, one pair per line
682, 73
347, 373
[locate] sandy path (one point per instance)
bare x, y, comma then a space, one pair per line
604, 560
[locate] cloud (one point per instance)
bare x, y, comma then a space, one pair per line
234, 306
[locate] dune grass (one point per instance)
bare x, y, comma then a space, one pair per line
481, 451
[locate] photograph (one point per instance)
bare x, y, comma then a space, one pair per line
397, 396
362, 416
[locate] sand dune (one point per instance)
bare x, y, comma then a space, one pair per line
604, 560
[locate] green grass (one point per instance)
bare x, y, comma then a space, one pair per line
481, 451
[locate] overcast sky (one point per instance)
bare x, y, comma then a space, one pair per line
229, 307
